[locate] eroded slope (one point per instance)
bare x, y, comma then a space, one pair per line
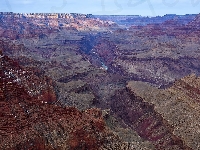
178, 105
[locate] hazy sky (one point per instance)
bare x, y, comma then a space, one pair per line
115, 7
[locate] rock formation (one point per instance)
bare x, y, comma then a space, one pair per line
16, 26
178, 105
65, 82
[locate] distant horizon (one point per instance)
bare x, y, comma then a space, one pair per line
96, 14
149, 8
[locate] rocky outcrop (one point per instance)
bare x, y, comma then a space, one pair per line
178, 105
142, 118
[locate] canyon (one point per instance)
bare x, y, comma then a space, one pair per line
83, 81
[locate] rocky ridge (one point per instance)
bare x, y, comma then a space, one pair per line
15, 26
178, 105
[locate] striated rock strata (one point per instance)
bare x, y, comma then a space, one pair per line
178, 106
15, 26
142, 118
